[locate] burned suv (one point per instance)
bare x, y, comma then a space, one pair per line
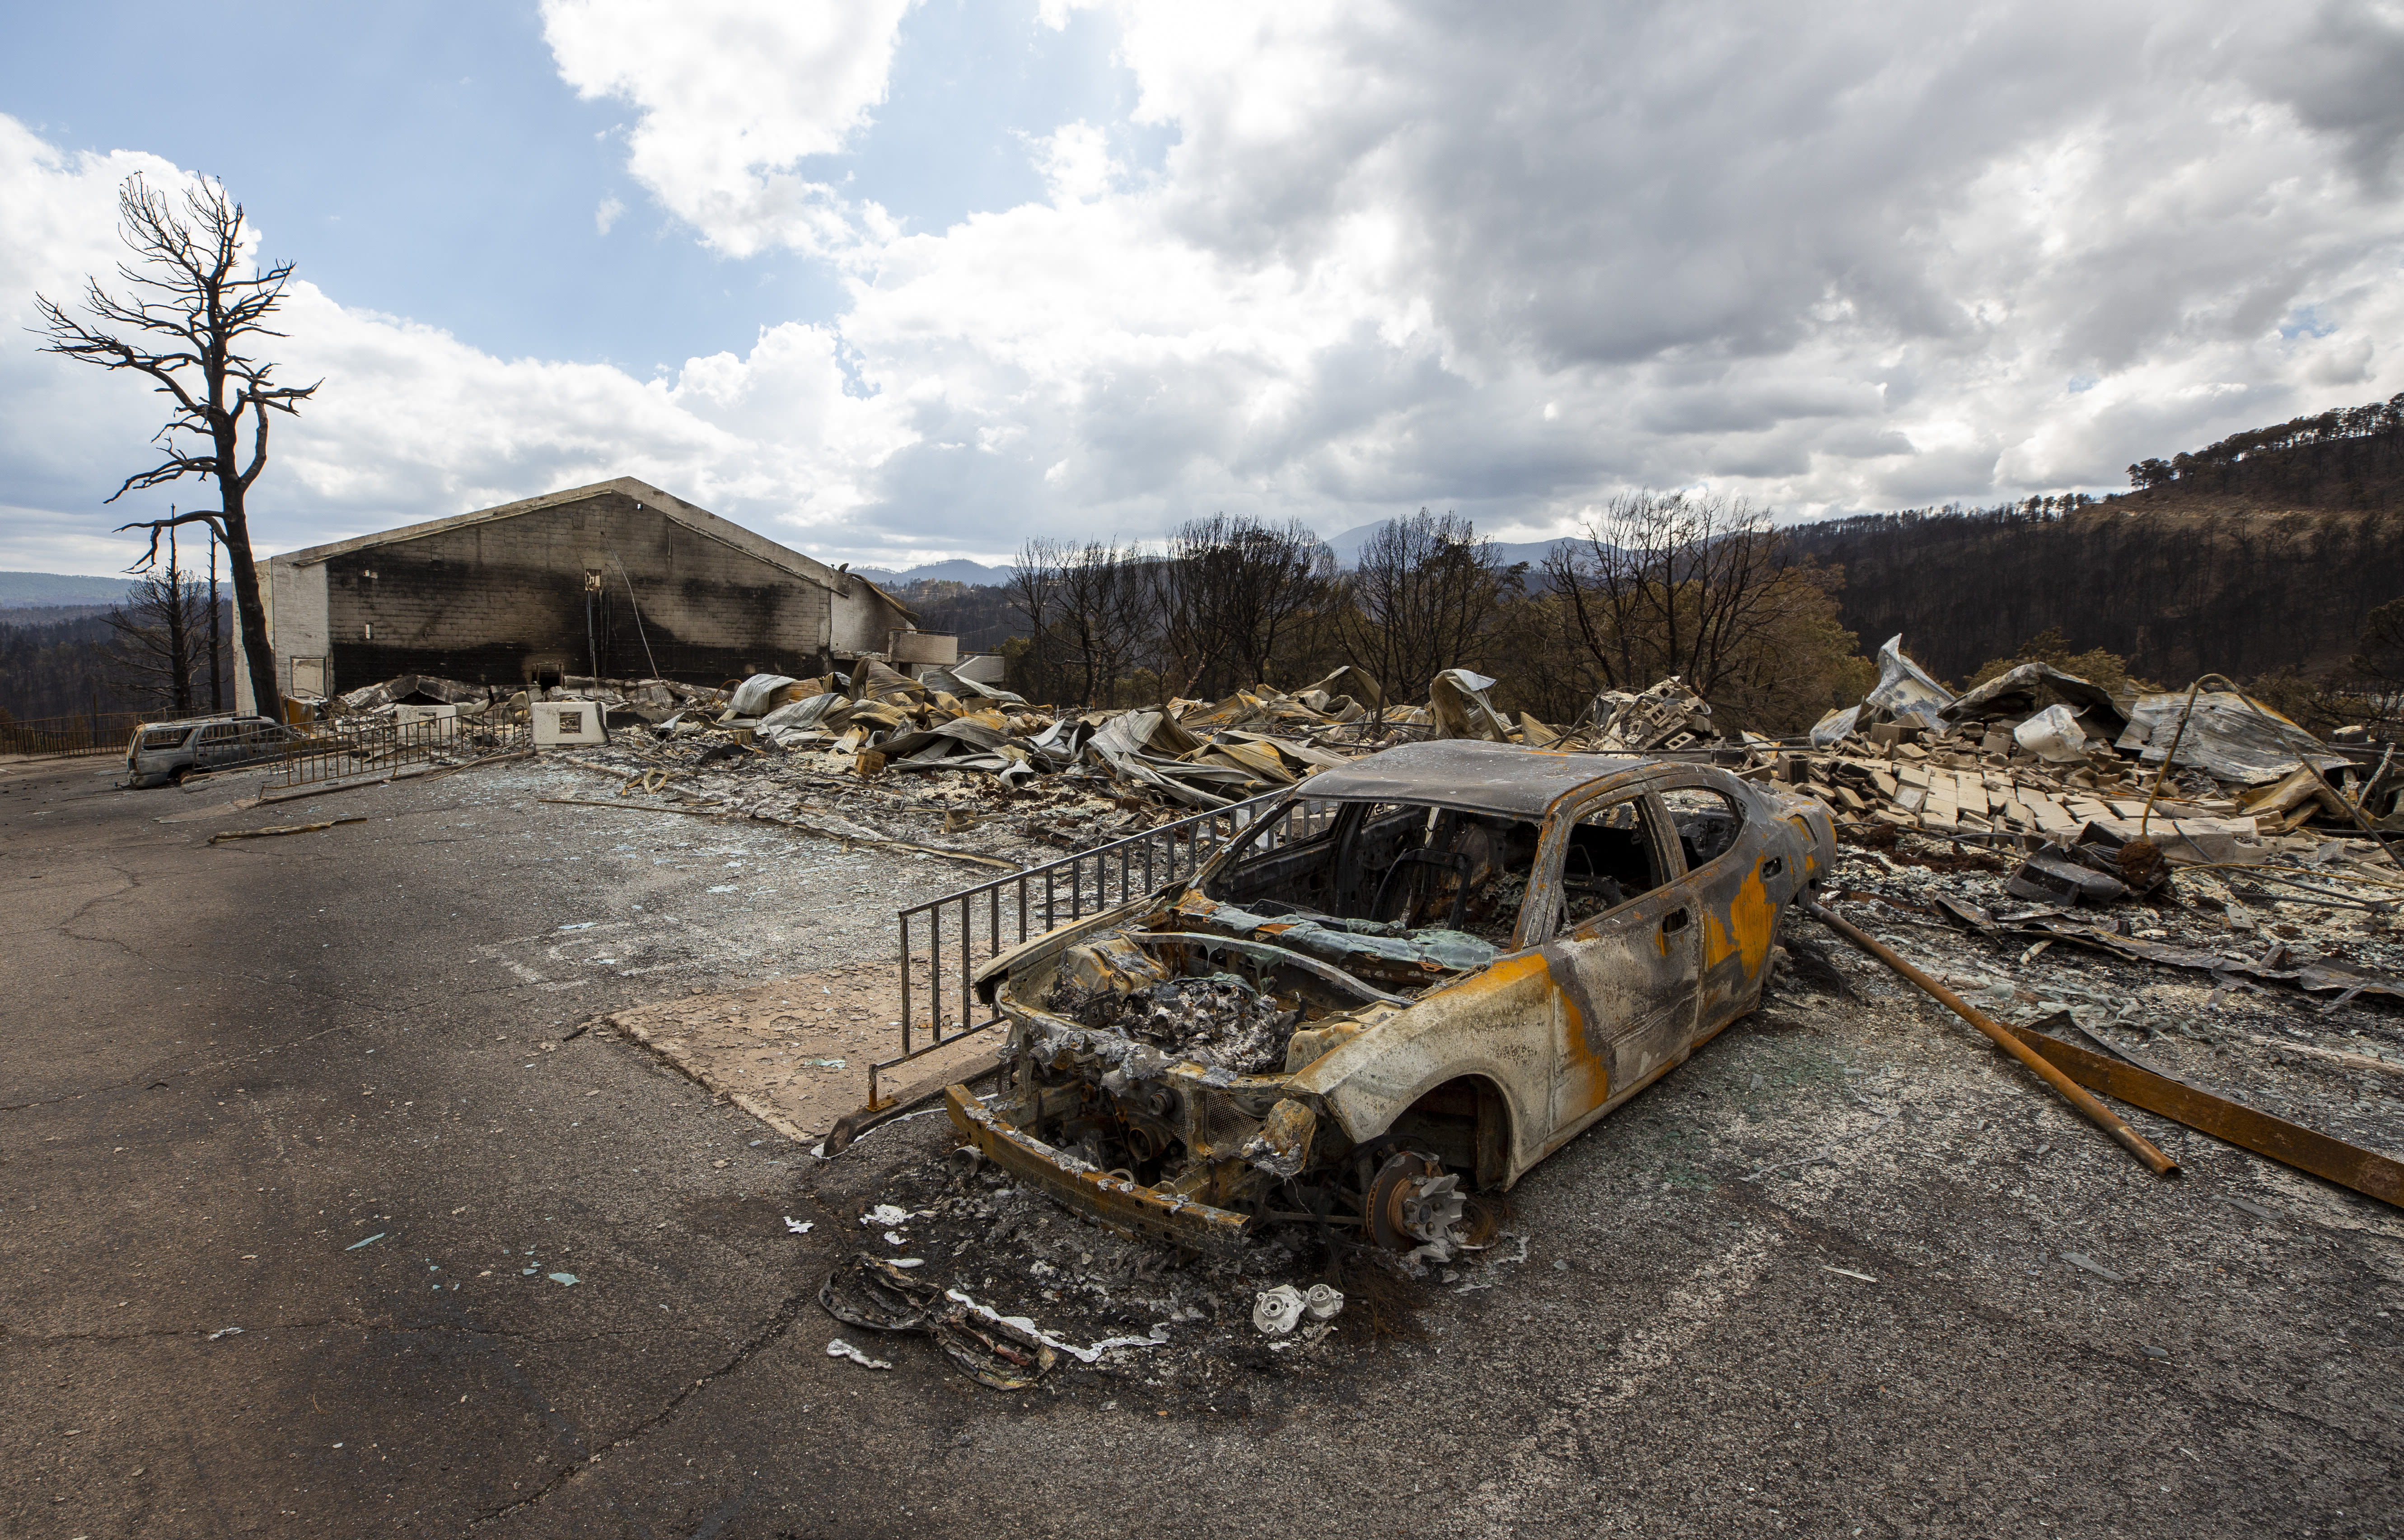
1435, 964
161, 753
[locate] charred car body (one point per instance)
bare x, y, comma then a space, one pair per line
1432, 967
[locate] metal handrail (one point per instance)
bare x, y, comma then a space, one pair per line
1095, 879
67, 737
332, 752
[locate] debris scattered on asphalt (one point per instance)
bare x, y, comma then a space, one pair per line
287, 828
2373, 1174
1278, 1311
369, 1241
837, 1347
2089, 1264
1006, 1353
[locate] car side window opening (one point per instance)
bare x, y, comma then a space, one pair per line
1707, 821
1610, 858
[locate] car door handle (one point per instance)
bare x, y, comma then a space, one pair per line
1772, 867
1673, 921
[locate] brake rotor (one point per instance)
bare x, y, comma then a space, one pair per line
1412, 1201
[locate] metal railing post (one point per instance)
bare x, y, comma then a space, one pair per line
935, 971
968, 960
1190, 831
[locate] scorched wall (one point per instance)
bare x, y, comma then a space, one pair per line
548, 592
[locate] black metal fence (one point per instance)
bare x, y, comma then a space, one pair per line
339, 751
61, 737
945, 939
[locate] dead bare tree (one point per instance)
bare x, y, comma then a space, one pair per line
1035, 593
216, 643
1673, 583
186, 324
154, 651
1427, 595
1090, 613
1230, 593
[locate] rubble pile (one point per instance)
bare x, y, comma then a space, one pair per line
2240, 786
2035, 757
950, 766
2216, 957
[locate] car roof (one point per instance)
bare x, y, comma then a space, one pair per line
1472, 775
201, 721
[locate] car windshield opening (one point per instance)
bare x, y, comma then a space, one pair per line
1389, 866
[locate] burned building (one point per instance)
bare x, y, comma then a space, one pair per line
618, 579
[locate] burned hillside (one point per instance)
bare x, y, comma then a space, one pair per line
2259, 553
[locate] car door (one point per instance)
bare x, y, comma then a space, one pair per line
1625, 977
1733, 873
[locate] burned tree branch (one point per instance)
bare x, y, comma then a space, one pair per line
211, 517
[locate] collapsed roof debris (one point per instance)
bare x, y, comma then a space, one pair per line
2207, 776
946, 766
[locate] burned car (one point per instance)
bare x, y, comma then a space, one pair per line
1431, 966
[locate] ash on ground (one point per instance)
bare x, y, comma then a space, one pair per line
960, 1224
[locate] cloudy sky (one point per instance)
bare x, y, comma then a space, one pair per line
894, 281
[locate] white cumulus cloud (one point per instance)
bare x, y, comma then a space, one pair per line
732, 96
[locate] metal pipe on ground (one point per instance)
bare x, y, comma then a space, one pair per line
2372, 1174
2076, 1095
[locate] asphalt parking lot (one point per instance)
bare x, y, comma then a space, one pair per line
319, 1213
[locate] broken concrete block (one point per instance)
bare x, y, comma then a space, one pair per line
2052, 876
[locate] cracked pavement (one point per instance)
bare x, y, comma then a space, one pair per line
300, 1142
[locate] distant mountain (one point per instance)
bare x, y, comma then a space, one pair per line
22, 590
958, 570
1347, 545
